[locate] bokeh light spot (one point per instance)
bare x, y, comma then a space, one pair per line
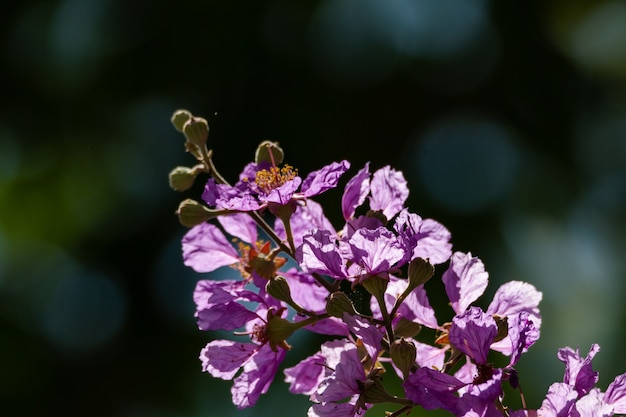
466, 165
85, 310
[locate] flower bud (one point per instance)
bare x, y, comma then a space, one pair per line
182, 178
376, 286
196, 130
179, 118
420, 271
406, 328
191, 213
270, 152
375, 393
279, 289
338, 303
403, 355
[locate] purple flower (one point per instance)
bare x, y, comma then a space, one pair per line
522, 334
368, 333
319, 253
432, 389
218, 308
472, 333
262, 185
223, 359
466, 280
423, 238
344, 379
218, 305
578, 371
616, 394
373, 252
306, 375
559, 401
206, 248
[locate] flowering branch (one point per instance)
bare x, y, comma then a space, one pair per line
364, 285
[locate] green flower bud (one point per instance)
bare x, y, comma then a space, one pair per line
403, 355
191, 213
338, 303
376, 286
179, 118
270, 152
182, 178
279, 289
375, 393
406, 328
420, 271
196, 130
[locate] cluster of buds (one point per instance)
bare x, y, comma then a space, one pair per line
364, 285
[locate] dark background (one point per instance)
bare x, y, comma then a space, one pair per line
508, 119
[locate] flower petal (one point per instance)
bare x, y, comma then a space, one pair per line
389, 191
324, 179
355, 192
205, 248
465, 280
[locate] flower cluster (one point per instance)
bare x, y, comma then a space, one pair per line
364, 285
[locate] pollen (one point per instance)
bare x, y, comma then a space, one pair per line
270, 179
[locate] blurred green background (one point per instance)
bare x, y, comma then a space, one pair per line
508, 118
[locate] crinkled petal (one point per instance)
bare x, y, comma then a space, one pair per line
389, 191
579, 372
514, 297
240, 225
344, 382
324, 179
559, 401
306, 375
256, 377
305, 291
228, 316
332, 326
375, 250
415, 307
432, 389
205, 248
355, 192
319, 253
367, 332
616, 394
472, 333
223, 358
423, 238
209, 292
522, 334
592, 405
465, 280
429, 356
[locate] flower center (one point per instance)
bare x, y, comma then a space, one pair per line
274, 177
255, 259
